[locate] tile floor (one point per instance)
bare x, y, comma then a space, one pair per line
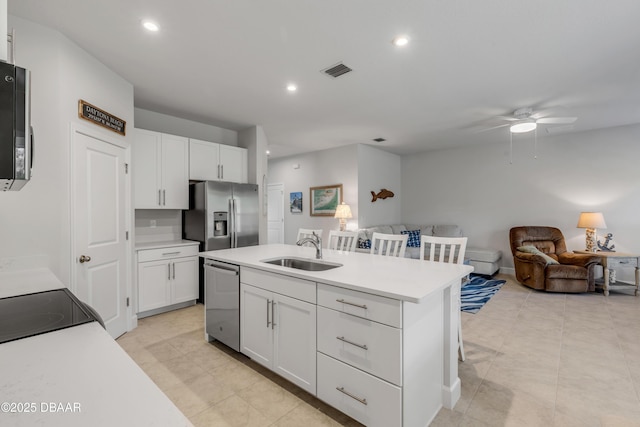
533, 359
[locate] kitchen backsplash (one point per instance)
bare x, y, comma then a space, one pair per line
158, 225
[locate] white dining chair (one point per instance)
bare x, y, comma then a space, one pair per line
389, 244
450, 250
342, 240
308, 232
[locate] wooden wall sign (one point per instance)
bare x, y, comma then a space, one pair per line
100, 117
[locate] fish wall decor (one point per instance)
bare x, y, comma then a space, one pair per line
383, 194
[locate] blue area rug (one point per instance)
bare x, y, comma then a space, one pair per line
476, 292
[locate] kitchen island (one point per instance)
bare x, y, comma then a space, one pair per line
375, 337
78, 376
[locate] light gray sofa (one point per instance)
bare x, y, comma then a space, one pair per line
365, 234
484, 260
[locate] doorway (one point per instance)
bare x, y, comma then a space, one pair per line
275, 213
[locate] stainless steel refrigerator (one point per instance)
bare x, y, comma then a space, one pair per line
221, 215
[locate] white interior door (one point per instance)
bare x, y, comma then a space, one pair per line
275, 213
99, 203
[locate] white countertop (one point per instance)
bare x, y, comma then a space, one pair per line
164, 244
399, 278
80, 369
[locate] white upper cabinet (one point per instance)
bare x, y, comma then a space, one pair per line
233, 164
160, 170
204, 160
209, 161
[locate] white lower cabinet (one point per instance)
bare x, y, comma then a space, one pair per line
184, 286
153, 285
370, 346
279, 332
166, 277
360, 357
377, 359
367, 399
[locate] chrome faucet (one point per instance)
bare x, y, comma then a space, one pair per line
315, 241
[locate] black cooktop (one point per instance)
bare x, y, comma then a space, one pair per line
27, 315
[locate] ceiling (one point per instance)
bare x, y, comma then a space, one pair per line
227, 63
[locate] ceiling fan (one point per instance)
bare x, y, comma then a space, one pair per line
525, 120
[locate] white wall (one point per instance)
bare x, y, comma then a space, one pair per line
326, 167
150, 120
36, 220
378, 169
3, 29
478, 189
254, 139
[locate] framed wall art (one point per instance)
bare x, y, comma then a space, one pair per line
295, 202
324, 200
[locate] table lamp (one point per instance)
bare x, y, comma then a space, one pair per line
591, 221
343, 211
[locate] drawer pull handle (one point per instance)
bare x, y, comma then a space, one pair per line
171, 253
342, 390
268, 321
273, 314
351, 303
352, 343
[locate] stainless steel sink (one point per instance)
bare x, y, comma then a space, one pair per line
302, 263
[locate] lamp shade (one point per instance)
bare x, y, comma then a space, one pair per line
591, 220
343, 211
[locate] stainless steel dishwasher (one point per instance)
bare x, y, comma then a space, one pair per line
222, 302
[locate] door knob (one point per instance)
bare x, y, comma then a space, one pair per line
84, 258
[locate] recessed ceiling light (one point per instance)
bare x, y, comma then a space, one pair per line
150, 25
400, 41
291, 87
268, 152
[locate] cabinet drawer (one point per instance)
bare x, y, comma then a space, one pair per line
372, 307
168, 252
367, 399
613, 262
370, 346
293, 287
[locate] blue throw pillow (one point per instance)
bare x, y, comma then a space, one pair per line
414, 238
364, 244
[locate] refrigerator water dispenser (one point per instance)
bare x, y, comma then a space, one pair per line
220, 221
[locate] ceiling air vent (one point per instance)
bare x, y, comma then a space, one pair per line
337, 70
379, 139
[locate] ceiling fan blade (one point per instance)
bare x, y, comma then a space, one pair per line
492, 128
559, 129
556, 120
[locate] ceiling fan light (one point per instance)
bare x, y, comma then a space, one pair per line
523, 126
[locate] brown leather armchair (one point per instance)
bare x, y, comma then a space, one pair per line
574, 273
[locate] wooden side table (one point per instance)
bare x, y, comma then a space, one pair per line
611, 260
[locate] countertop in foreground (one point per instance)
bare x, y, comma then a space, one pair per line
77, 376
399, 278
